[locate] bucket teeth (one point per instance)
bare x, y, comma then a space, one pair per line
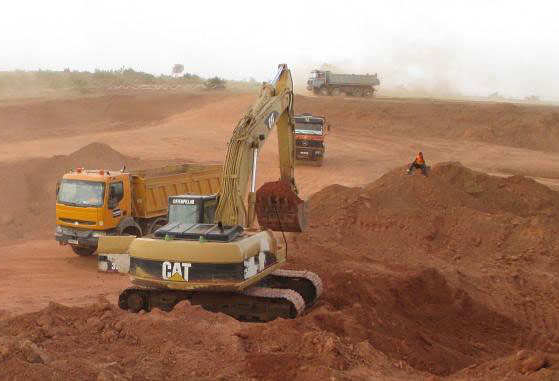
278, 208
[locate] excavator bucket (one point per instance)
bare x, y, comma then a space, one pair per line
278, 208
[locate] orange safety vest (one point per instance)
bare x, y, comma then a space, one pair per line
419, 159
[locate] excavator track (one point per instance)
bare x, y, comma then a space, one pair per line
306, 283
256, 304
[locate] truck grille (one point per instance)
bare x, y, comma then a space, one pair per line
81, 222
308, 143
76, 232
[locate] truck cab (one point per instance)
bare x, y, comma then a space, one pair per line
316, 81
309, 138
90, 203
93, 203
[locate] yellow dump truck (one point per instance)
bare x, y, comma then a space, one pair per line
93, 203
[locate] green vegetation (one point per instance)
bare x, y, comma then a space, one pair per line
215, 83
43, 82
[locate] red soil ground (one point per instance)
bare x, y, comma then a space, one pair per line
453, 275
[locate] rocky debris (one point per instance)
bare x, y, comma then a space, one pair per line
24, 349
527, 362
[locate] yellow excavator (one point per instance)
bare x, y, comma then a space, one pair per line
208, 252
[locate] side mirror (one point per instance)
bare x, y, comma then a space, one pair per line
328, 127
57, 187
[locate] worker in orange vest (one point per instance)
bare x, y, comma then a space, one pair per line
419, 162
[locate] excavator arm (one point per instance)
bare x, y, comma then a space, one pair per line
276, 203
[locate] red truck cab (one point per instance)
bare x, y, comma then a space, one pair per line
309, 138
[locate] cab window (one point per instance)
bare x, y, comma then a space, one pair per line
209, 211
116, 194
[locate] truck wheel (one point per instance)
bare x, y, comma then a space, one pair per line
335, 92
357, 92
156, 225
83, 251
131, 231
324, 91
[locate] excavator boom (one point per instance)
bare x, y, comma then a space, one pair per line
276, 204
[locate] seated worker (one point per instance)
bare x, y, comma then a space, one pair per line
419, 162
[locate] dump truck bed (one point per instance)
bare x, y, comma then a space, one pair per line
352, 79
152, 187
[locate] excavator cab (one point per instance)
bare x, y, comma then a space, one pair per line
192, 217
191, 209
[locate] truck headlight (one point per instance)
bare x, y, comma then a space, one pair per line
98, 234
59, 229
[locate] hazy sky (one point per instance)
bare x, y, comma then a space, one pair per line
473, 47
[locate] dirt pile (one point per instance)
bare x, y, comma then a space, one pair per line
436, 259
384, 339
455, 210
523, 365
101, 342
453, 275
525, 126
28, 202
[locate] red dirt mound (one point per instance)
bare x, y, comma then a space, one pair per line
28, 202
447, 275
409, 316
101, 342
412, 318
494, 242
526, 126
454, 208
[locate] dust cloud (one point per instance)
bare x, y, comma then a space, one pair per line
431, 47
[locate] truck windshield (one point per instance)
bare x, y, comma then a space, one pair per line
184, 214
81, 193
308, 128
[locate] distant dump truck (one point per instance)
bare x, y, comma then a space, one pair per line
93, 203
328, 83
309, 138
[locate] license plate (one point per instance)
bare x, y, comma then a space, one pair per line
303, 153
73, 241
